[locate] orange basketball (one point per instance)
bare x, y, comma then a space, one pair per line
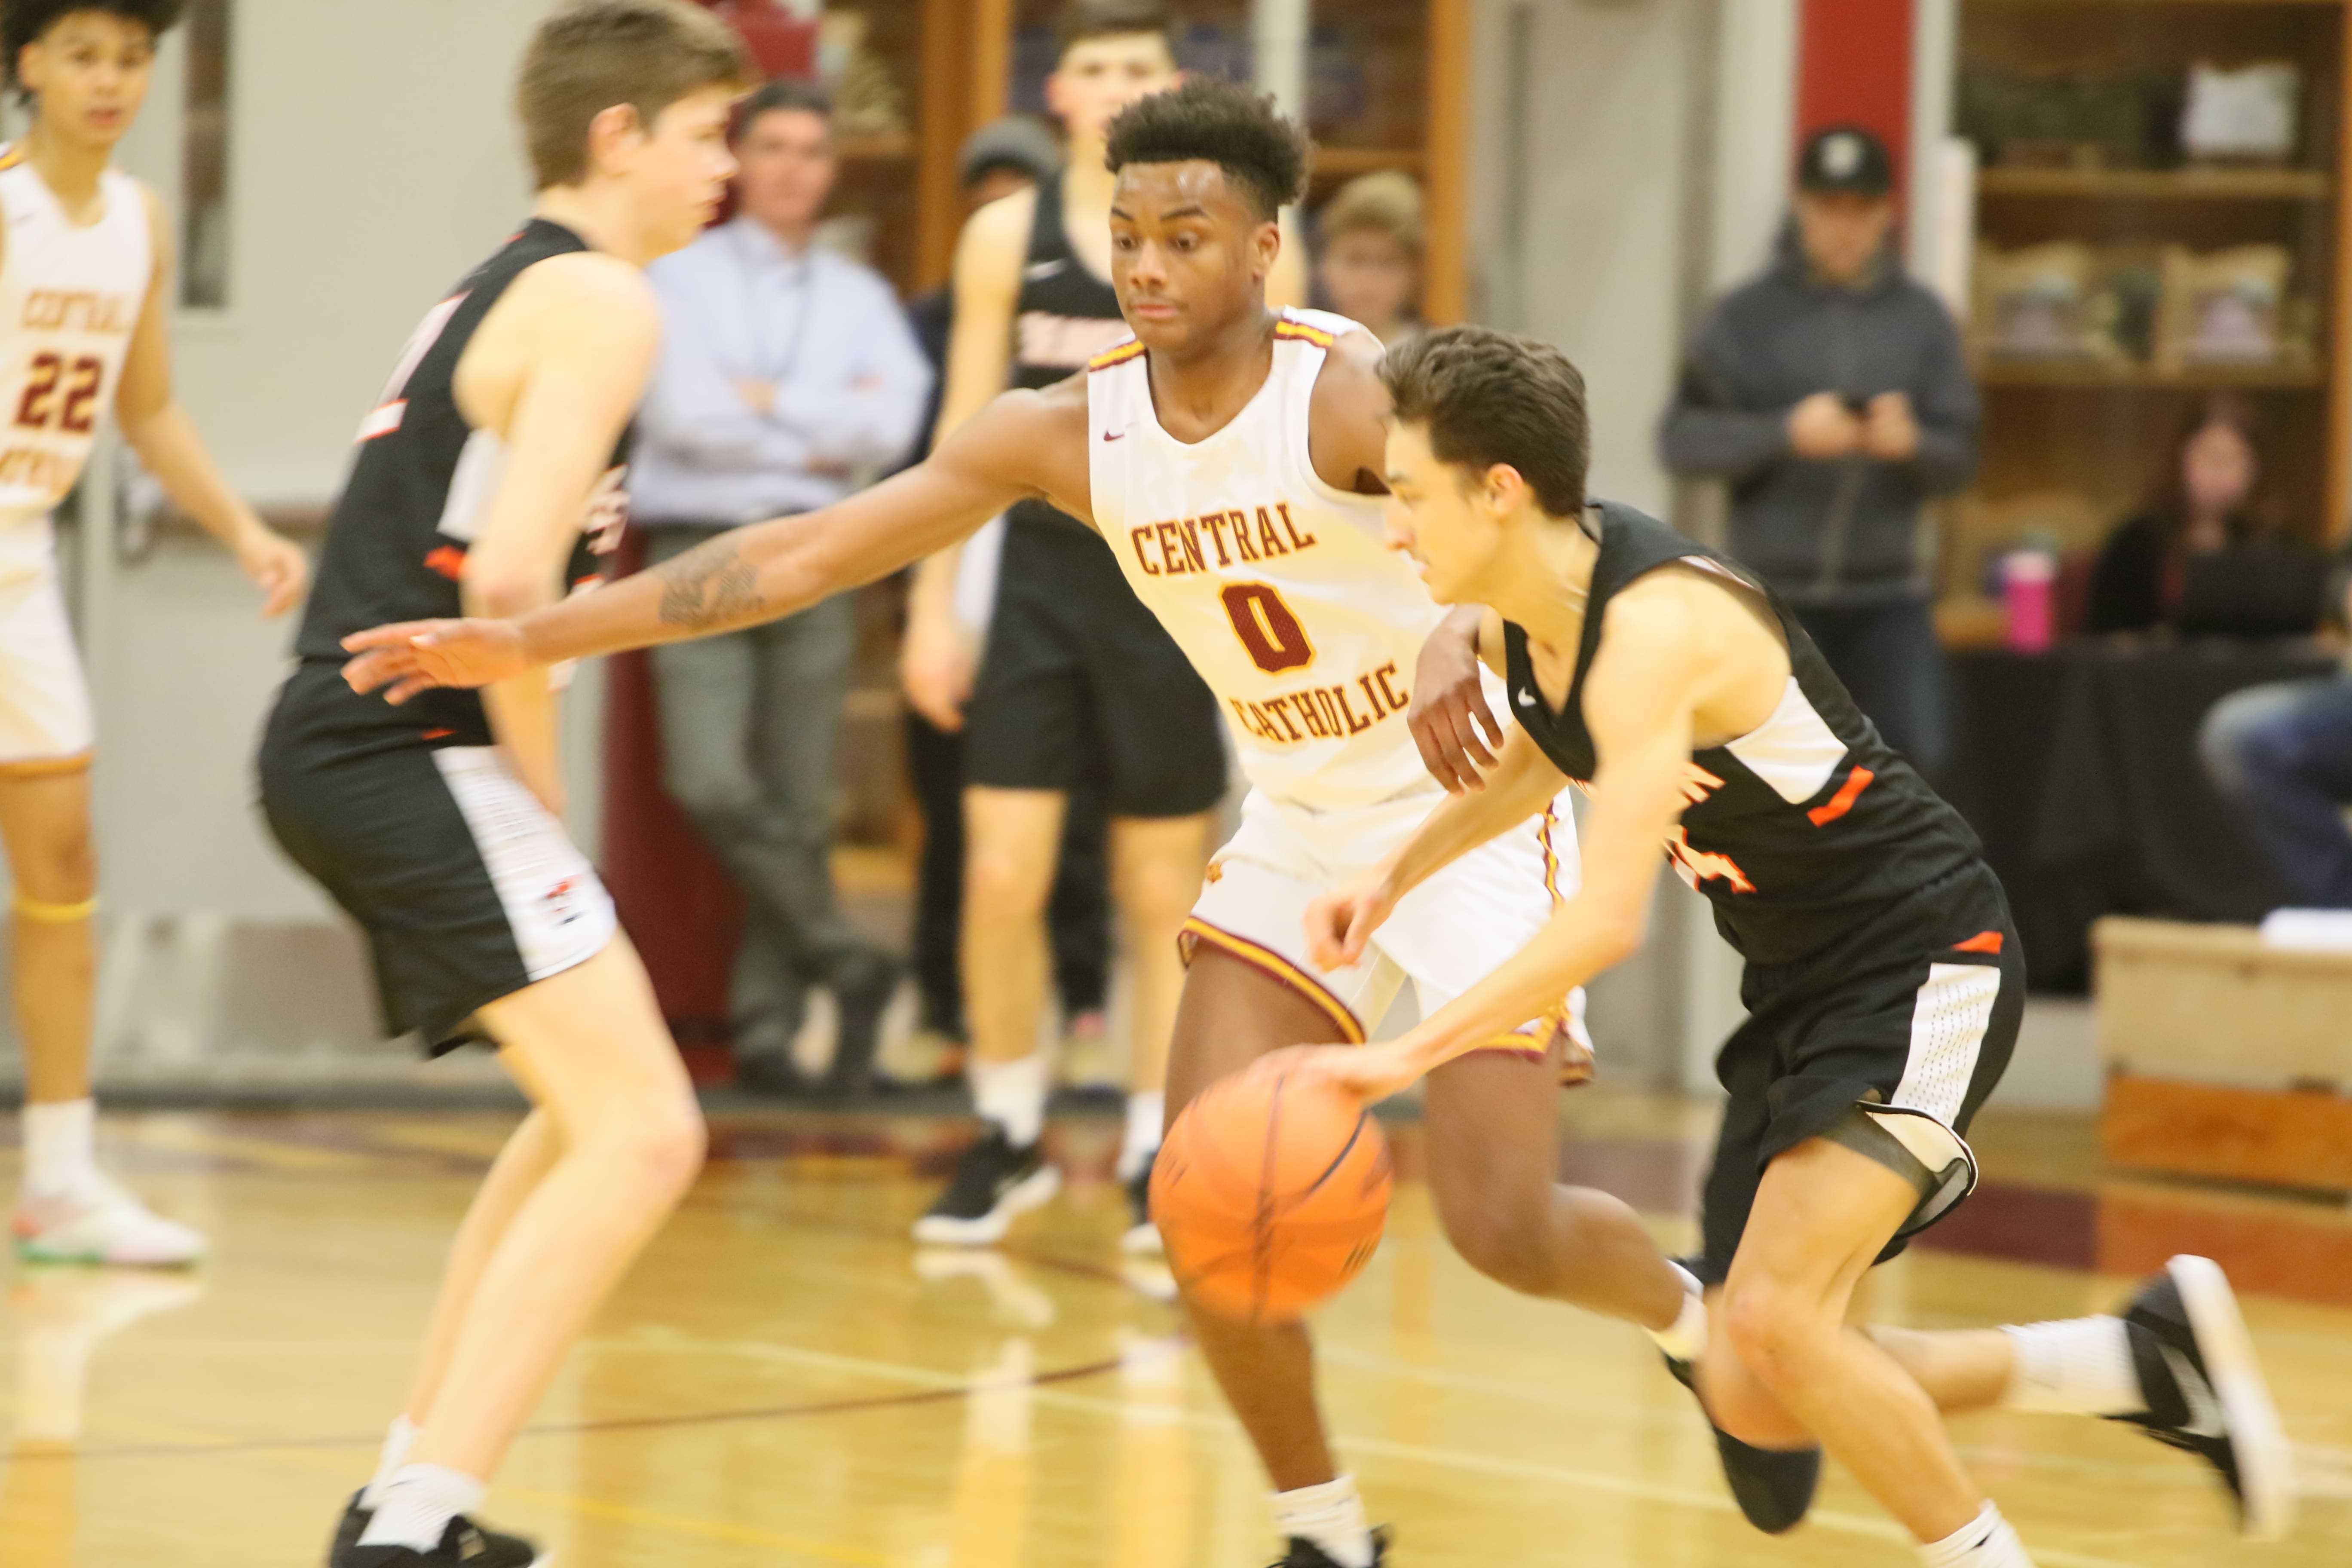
1270, 1193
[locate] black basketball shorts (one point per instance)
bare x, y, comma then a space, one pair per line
1080, 678
1888, 1041
468, 888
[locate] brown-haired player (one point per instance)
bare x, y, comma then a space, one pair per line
1883, 981
486, 478
1076, 674
84, 324
1229, 457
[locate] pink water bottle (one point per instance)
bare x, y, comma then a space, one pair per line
2029, 593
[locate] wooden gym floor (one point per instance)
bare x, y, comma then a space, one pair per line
786, 1380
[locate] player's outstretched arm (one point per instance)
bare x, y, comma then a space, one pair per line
761, 572
1640, 700
160, 431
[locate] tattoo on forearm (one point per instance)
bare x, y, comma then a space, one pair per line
710, 587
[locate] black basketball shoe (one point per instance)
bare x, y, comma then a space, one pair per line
348, 1528
1142, 1235
1774, 1487
993, 1183
2205, 1390
464, 1544
1305, 1553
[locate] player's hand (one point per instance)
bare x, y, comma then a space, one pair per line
1822, 427
411, 656
1891, 433
278, 567
1339, 923
1368, 1072
937, 664
1449, 709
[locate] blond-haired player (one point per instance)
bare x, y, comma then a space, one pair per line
85, 322
487, 477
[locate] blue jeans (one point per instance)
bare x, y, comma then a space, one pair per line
2282, 754
1892, 665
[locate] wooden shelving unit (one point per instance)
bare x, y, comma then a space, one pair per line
2074, 445
2214, 377
2159, 185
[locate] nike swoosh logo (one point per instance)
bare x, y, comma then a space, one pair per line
2205, 1418
1038, 272
1527, 699
1114, 434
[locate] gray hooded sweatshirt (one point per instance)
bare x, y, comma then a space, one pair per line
1845, 530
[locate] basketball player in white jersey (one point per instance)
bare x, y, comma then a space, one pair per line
1076, 675
1230, 457
85, 323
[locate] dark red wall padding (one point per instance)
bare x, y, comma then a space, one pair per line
1853, 68
674, 899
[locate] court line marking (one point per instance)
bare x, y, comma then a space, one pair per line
708, 1529
200, 1442
1520, 1469
934, 1386
1562, 1475
1626, 1410
937, 1388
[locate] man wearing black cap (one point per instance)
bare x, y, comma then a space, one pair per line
1832, 394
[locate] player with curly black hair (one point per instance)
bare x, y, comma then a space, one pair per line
1074, 682
1231, 456
84, 297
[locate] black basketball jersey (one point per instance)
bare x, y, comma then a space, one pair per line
413, 501
1064, 317
1802, 830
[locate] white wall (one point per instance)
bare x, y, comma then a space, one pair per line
1601, 163
1753, 136
373, 159
1630, 159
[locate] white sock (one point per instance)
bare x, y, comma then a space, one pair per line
1013, 1095
2082, 1366
1146, 1110
1985, 1542
1686, 1336
418, 1503
60, 1145
1332, 1517
397, 1440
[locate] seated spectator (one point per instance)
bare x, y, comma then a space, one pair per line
2206, 556
2282, 754
787, 376
1370, 266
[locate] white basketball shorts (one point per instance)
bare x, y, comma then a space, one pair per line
44, 719
1444, 936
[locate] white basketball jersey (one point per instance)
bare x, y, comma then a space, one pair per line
70, 296
1277, 587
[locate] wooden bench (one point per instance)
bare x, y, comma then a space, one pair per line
2225, 1057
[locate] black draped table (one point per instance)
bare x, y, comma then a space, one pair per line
2079, 770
